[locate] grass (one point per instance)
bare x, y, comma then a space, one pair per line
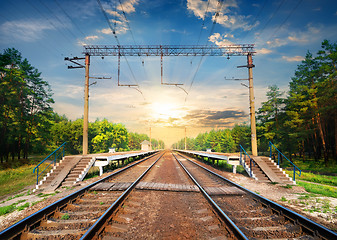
283, 199
11, 208
227, 167
14, 180
46, 195
316, 178
312, 165
7, 209
319, 189
20, 208
65, 216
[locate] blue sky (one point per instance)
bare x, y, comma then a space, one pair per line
46, 31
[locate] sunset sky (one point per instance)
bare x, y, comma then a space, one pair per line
46, 31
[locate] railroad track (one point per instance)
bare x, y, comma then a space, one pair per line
70, 217
165, 204
166, 196
256, 216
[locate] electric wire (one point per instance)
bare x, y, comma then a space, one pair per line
219, 7
50, 22
265, 25
69, 17
42, 43
58, 19
285, 20
53, 48
116, 38
269, 20
128, 24
203, 22
256, 17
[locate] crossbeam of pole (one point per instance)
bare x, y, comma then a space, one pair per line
169, 50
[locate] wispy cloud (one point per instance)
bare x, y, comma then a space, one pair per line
215, 118
24, 30
234, 21
263, 51
227, 16
199, 7
128, 6
293, 59
309, 34
221, 40
94, 37
118, 19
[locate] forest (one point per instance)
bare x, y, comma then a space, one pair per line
28, 124
301, 122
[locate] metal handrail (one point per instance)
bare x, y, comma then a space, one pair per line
54, 161
278, 159
243, 151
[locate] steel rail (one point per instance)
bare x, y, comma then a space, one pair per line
235, 229
97, 227
311, 226
25, 224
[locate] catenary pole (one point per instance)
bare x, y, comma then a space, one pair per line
86, 105
250, 66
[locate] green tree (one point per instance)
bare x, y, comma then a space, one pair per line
25, 104
269, 113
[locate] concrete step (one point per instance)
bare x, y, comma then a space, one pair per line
72, 175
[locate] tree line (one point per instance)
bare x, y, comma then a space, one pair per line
222, 140
29, 125
301, 123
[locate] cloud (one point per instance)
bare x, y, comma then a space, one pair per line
175, 31
106, 31
296, 39
128, 6
263, 51
277, 42
215, 118
310, 34
221, 40
293, 59
234, 21
24, 30
227, 16
91, 37
199, 7
119, 20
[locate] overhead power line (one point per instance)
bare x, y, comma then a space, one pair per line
286, 19
271, 18
203, 23
69, 17
219, 7
116, 38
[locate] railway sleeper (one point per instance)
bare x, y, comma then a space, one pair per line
264, 221
59, 224
85, 207
52, 235
85, 215
282, 231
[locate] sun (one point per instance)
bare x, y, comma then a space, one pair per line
165, 110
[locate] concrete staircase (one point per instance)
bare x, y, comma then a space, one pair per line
77, 173
266, 170
257, 173
67, 172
